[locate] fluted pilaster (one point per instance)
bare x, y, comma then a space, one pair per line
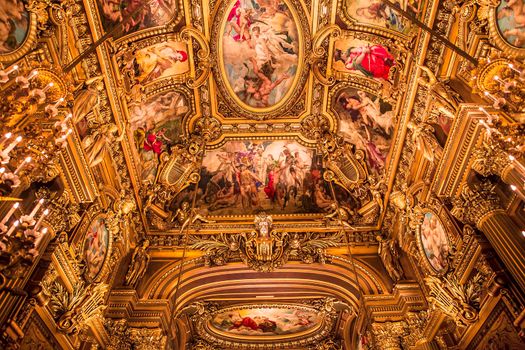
480, 206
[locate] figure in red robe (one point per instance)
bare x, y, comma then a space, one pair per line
153, 141
373, 61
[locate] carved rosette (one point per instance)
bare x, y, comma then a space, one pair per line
475, 203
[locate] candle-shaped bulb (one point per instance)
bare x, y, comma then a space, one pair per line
35, 209
48, 86
27, 160
44, 214
13, 227
513, 187
511, 158
12, 145
8, 135
2, 170
9, 213
496, 77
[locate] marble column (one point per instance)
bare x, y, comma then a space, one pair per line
480, 206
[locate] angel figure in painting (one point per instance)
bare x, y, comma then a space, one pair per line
186, 216
373, 61
378, 11
261, 90
390, 258
370, 111
87, 99
157, 60
139, 264
514, 11
95, 144
446, 99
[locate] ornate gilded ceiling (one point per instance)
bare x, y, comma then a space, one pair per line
261, 174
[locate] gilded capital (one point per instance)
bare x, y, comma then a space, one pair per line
388, 335
490, 159
475, 202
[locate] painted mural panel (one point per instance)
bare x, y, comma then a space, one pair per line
135, 15
367, 122
371, 60
96, 246
260, 46
265, 321
14, 25
379, 14
511, 22
159, 61
434, 241
156, 125
279, 177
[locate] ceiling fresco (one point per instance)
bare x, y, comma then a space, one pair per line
261, 174
126, 17
266, 322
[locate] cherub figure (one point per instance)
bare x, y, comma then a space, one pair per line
186, 216
341, 215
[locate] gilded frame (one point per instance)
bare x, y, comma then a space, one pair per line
496, 35
167, 28
448, 228
151, 41
321, 331
355, 25
371, 38
311, 145
155, 88
27, 44
238, 107
104, 269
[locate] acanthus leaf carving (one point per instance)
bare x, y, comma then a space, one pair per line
74, 310
460, 301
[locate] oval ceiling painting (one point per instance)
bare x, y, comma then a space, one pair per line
268, 322
260, 49
14, 25
511, 22
434, 241
96, 246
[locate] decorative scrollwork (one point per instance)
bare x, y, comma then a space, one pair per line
265, 249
